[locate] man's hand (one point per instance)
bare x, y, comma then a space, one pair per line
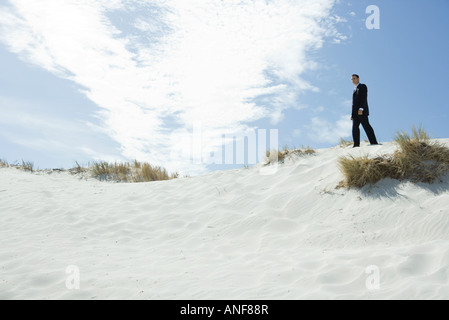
360, 112
352, 119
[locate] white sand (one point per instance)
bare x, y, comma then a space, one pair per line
233, 234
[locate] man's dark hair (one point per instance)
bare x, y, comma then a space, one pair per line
356, 75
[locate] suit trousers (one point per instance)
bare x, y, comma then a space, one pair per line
356, 121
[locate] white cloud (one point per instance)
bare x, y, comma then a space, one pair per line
320, 109
297, 133
17, 113
22, 125
99, 156
347, 103
156, 68
322, 130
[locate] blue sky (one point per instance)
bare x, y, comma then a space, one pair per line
124, 79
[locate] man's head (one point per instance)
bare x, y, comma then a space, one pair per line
355, 79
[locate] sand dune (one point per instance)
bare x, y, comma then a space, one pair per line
238, 234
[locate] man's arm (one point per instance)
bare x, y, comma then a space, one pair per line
363, 92
363, 98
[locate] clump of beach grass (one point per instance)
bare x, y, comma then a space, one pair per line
360, 171
3, 164
417, 159
78, 169
130, 172
23, 165
106, 171
345, 143
27, 166
274, 155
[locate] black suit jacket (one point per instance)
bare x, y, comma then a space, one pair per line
360, 100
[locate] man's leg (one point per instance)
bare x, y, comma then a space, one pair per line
369, 130
356, 131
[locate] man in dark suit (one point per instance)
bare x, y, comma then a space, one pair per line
360, 112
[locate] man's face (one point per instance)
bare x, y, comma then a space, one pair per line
355, 80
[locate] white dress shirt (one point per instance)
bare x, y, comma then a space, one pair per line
355, 88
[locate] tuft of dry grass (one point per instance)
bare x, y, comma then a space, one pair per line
361, 171
417, 159
78, 169
102, 170
130, 172
27, 166
111, 171
308, 151
146, 172
3, 164
274, 155
345, 143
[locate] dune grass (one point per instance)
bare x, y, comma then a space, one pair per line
3, 163
274, 155
345, 143
130, 172
417, 159
360, 171
110, 171
106, 171
25, 165
78, 169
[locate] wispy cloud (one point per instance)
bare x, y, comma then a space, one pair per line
22, 124
156, 68
323, 130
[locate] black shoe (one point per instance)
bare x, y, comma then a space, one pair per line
375, 144
356, 147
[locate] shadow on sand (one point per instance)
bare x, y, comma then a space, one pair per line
390, 188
